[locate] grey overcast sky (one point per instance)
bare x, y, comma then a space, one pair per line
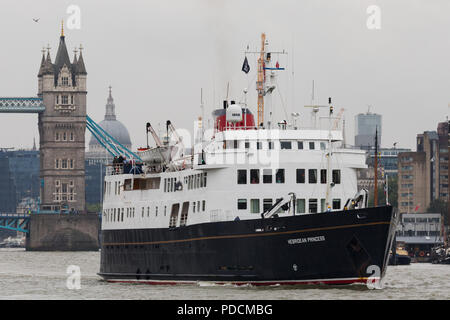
158, 54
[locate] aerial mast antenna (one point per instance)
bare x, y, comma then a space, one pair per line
261, 80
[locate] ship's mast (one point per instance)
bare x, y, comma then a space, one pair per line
261, 80
264, 61
375, 192
329, 176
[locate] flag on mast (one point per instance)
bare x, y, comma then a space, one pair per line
246, 66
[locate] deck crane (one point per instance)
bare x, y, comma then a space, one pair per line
154, 135
169, 126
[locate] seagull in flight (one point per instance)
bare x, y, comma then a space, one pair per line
36, 20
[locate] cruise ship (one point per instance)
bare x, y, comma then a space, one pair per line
253, 202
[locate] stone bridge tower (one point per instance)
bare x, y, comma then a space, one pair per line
62, 126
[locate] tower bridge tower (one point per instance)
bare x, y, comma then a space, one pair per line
62, 126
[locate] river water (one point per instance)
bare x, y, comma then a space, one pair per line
44, 275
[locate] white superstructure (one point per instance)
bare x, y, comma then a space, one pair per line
239, 172
242, 174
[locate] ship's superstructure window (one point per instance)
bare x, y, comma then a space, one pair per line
254, 206
247, 144
300, 176
323, 146
267, 204
279, 176
174, 215
300, 145
323, 207
337, 204
336, 176
259, 145
270, 145
323, 175
312, 205
312, 175
184, 213
193, 206
300, 206
254, 176
242, 204
285, 144
242, 176
203, 205
311, 146
267, 175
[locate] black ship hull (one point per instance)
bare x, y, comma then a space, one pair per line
335, 248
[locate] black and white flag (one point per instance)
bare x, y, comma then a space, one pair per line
246, 66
